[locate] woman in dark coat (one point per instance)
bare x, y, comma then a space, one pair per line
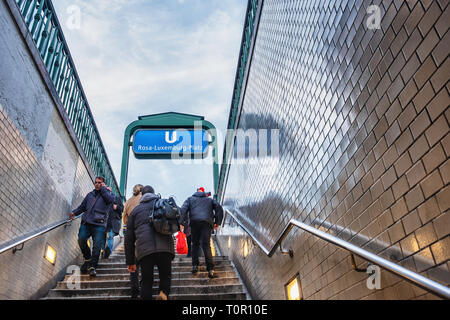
148, 247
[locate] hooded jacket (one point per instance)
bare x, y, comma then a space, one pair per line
141, 239
96, 205
199, 207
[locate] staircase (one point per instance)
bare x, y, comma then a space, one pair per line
112, 281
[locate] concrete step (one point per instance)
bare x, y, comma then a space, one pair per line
215, 296
175, 269
178, 275
122, 283
105, 264
123, 291
181, 257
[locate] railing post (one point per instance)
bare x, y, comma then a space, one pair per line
37, 18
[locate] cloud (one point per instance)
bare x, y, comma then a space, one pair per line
138, 57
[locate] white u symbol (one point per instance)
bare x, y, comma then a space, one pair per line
174, 137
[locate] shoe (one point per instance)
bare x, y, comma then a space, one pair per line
92, 272
85, 266
107, 253
134, 294
161, 296
194, 269
211, 274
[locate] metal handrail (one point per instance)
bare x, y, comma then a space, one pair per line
417, 279
13, 245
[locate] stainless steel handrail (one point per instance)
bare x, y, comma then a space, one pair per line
22, 240
417, 279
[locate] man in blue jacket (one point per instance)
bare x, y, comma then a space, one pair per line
204, 214
93, 223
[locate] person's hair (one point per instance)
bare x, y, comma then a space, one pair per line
147, 189
137, 189
100, 178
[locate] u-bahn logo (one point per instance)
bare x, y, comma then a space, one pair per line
174, 137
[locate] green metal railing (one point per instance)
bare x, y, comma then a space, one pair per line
44, 28
243, 59
249, 28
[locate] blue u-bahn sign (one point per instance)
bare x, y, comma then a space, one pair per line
169, 135
153, 142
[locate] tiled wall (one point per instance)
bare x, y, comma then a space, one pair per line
29, 200
364, 149
42, 176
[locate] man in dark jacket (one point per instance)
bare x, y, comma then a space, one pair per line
113, 225
93, 223
147, 247
204, 214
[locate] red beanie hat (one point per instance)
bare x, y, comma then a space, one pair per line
201, 189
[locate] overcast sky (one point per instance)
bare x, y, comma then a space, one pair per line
139, 57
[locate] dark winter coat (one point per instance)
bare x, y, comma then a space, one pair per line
115, 216
96, 205
141, 239
199, 207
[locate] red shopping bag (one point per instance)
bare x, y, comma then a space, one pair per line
182, 247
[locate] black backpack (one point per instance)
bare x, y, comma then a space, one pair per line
165, 217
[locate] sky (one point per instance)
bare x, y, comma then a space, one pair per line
140, 57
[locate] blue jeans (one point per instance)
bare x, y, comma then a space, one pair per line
109, 241
98, 237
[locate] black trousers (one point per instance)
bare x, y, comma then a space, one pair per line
134, 280
189, 243
201, 237
134, 277
164, 262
